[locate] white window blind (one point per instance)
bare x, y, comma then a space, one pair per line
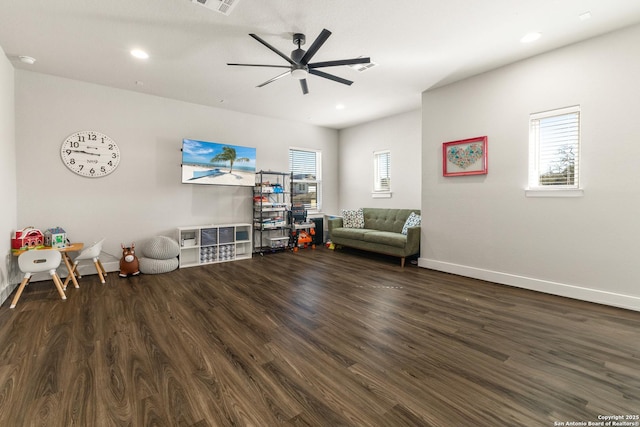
303, 164
305, 167
554, 144
382, 171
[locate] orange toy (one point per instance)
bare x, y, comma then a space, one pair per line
303, 239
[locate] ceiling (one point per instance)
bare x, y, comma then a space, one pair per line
416, 45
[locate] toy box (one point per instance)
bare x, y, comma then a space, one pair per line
55, 237
26, 238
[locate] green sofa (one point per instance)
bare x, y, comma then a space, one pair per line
382, 233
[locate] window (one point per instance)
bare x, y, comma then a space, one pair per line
554, 149
381, 171
306, 167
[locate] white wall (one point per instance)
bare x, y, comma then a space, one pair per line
401, 134
144, 196
8, 213
485, 227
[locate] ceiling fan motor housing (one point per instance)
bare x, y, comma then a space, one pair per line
297, 54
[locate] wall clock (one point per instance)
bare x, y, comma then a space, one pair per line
91, 154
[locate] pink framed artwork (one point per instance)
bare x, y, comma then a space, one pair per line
465, 157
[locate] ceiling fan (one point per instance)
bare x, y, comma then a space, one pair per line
299, 66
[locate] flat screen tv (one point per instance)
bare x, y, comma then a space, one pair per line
217, 164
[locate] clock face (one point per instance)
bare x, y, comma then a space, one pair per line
91, 154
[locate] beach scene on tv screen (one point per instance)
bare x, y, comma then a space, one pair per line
219, 164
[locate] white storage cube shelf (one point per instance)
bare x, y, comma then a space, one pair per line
209, 244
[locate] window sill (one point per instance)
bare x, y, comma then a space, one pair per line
381, 195
548, 192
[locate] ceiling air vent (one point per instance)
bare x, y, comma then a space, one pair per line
222, 6
363, 67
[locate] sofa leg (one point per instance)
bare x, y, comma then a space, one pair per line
402, 262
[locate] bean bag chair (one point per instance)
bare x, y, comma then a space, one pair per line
159, 255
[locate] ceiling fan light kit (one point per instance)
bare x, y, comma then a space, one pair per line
299, 73
299, 62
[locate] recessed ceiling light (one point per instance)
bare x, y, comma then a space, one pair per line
340, 107
27, 59
531, 37
139, 54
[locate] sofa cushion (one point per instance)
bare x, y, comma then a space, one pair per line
353, 218
413, 221
386, 238
350, 233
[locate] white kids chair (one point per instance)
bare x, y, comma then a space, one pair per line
38, 261
92, 253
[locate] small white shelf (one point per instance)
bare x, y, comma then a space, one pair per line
209, 244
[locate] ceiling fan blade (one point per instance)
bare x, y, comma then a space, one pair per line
282, 55
317, 44
261, 65
279, 76
330, 77
340, 62
303, 85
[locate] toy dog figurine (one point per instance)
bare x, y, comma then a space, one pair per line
129, 265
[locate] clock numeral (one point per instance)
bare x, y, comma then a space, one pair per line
92, 171
103, 169
74, 144
72, 161
80, 139
80, 167
92, 138
113, 155
110, 146
68, 152
110, 163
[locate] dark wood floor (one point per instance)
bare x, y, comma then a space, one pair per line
315, 338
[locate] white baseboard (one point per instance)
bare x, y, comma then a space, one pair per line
629, 302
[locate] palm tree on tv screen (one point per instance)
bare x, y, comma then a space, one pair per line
228, 155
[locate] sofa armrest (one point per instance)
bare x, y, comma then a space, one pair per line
413, 239
334, 223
